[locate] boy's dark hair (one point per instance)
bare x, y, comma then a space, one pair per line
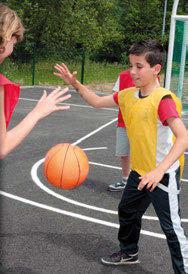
153, 50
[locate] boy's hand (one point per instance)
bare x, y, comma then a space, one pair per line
151, 179
64, 73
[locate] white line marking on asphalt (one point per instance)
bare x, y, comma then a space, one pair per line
71, 201
74, 215
61, 197
94, 132
184, 180
74, 105
94, 148
51, 192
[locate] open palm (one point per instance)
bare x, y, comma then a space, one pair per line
65, 74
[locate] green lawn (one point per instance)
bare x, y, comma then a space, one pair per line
94, 73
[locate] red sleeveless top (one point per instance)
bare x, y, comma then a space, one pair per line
11, 96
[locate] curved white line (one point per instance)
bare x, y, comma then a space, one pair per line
61, 197
51, 192
74, 215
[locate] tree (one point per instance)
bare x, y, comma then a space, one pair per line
138, 20
66, 26
104, 28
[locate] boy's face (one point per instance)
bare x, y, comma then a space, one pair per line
141, 71
8, 48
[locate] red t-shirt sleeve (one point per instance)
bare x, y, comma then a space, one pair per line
167, 109
115, 96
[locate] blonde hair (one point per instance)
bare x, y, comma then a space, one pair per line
10, 25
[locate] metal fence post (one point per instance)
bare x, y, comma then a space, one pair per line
82, 65
33, 64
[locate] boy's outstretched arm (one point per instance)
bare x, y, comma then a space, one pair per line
151, 179
90, 97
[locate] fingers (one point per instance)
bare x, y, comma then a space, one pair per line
58, 108
62, 99
43, 96
57, 96
149, 183
64, 73
61, 68
56, 93
142, 183
153, 187
64, 67
61, 91
57, 74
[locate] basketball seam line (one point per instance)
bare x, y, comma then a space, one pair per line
63, 166
78, 167
46, 169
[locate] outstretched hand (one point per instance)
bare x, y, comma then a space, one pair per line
65, 74
49, 103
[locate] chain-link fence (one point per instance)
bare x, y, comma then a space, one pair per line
37, 68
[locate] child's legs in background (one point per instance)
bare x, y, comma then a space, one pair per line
122, 150
125, 164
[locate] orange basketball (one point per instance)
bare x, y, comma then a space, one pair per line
66, 166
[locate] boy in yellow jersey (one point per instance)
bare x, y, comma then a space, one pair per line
151, 114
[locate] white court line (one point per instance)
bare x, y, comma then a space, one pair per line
184, 180
53, 193
74, 105
104, 165
37, 181
94, 132
61, 197
83, 217
94, 148
49, 191
74, 215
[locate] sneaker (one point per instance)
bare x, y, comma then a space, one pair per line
120, 258
118, 186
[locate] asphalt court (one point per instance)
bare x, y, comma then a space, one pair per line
48, 230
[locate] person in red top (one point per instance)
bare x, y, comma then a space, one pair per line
11, 32
122, 143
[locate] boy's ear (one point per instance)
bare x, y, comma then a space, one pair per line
2, 50
157, 69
